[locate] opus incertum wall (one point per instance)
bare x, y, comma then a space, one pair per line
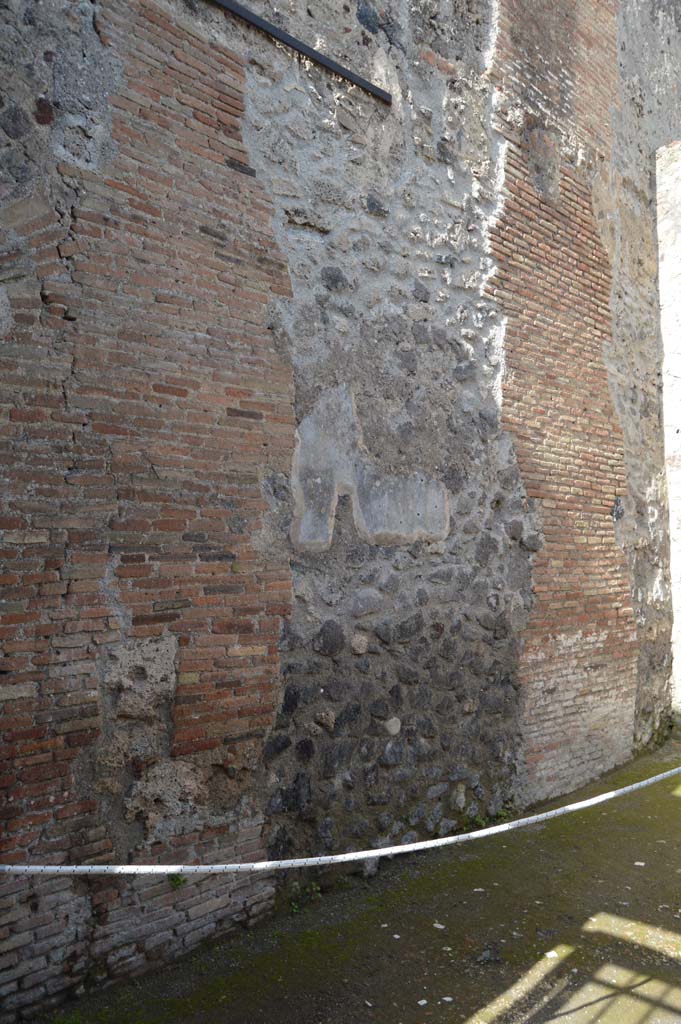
334, 508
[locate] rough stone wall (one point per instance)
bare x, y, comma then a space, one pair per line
143, 403
459, 554
404, 516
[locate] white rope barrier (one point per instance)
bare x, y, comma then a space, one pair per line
337, 858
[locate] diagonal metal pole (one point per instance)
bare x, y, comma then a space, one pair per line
307, 51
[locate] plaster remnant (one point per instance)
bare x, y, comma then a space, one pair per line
331, 459
137, 785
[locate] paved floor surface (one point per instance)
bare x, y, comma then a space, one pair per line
575, 922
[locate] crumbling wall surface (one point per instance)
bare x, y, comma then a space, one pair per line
143, 404
582, 393
648, 117
557, 77
404, 514
332, 441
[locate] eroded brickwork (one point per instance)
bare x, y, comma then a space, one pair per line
289, 374
578, 664
144, 403
582, 390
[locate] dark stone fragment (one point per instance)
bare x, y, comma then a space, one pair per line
330, 639
493, 699
488, 424
350, 713
423, 750
291, 700
368, 17
409, 628
445, 706
296, 796
15, 122
393, 753
421, 293
305, 750
276, 745
384, 632
408, 360
395, 694
281, 846
487, 620
486, 547
225, 588
448, 648
326, 833
44, 111
617, 511
330, 762
334, 279
366, 749
379, 709
279, 487
454, 478
337, 757
514, 529
375, 207
444, 152
531, 542
242, 168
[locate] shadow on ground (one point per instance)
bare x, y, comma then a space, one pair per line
577, 921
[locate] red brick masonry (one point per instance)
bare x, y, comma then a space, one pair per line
146, 404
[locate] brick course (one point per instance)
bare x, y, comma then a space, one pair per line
578, 665
143, 403
147, 430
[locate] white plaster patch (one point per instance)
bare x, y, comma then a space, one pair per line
330, 459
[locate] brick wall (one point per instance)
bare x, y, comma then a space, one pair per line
578, 666
147, 435
143, 405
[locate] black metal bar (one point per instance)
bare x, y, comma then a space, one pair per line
307, 51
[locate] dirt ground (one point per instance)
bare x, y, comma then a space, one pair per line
577, 921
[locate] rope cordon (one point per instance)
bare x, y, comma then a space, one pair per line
336, 858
